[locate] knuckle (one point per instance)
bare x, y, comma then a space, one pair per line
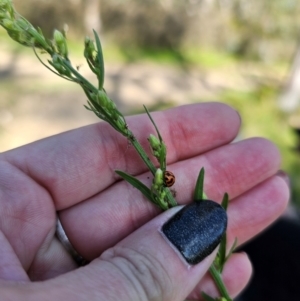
147, 276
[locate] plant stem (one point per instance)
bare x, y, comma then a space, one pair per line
141, 152
171, 201
219, 282
23, 32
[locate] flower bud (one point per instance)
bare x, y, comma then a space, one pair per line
25, 39
89, 48
23, 24
60, 42
8, 24
158, 180
154, 143
4, 4
3, 14
57, 64
103, 100
6, 8
111, 106
121, 124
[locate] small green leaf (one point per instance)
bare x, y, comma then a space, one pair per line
216, 275
40, 31
161, 156
222, 257
137, 184
232, 249
198, 194
222, 253
100, 60
225, 201
207, 297
157, 131
88, 108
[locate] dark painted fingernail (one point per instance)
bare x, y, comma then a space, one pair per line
197, 229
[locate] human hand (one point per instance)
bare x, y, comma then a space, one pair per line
109, 222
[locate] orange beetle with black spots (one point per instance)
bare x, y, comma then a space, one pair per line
169, 178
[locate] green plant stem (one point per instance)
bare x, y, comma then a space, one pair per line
23, 32
172, 202
141, 152
90, 88
219, 282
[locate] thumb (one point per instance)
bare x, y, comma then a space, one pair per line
163, 260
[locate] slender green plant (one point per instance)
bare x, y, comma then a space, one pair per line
23, 32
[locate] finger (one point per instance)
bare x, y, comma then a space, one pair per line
135, 270
103, 220
33, 212
78, 164
257, 209
51, 261
10, 266
236, 275
27, 215
27, 220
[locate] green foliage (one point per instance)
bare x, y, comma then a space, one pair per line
209, 57
23, 32
262, 117
199, 194
53, 14
137, 184
261, 29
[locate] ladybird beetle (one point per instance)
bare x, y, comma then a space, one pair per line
169, 178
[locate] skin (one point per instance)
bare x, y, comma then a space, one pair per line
109, 222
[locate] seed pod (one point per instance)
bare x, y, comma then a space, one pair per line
154, 142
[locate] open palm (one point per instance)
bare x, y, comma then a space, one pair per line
72, 175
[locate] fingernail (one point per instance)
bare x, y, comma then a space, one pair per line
197, 229
238, 113
284, 176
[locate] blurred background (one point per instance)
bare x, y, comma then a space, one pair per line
163, 53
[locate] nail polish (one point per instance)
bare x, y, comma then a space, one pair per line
197, 229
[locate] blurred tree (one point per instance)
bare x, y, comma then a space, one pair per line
260, 29
92, 19
289, 98
151, 24
50, 15
260, 24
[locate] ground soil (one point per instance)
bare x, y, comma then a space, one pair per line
34, 103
